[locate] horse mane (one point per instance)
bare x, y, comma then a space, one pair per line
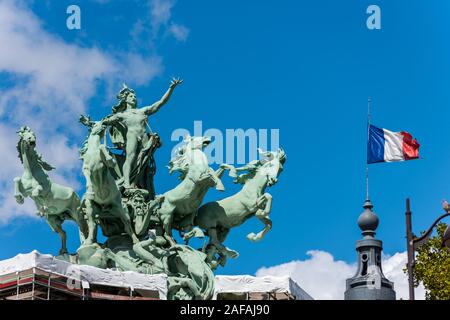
19, 149
253, 167
18, 146
84, 147
44, 164
86, 121
179, 162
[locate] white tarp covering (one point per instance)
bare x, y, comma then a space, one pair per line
246, 283
84, 273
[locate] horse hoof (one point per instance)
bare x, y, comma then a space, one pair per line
20, 200
230, 253
252, 237
35, 193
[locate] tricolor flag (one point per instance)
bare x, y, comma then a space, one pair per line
387, 146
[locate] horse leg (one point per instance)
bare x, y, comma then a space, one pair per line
91, 225
187, 229
18, 191
125, 217
56, 225
160, 240
232, 170
83, 229
267, 226
214, 257
37, 191
217, 181
215, 238
211, 260
219, 172
166, 216
263, 216
195, 232
77, 215
222, 234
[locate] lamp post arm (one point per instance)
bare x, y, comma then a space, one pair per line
418, 241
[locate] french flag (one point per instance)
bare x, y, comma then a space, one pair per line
388, 146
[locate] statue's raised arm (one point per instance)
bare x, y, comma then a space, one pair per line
157, 105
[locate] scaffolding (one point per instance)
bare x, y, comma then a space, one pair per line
246, 287
255, 296
38, 284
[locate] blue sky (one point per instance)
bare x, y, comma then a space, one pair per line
304, 67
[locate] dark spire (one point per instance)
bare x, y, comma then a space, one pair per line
369, 282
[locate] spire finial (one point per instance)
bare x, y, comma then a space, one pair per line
368, 220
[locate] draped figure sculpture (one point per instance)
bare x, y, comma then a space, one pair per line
129, 132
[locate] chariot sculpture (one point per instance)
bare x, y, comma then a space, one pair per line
138, 222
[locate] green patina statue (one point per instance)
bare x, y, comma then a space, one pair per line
180, 204
218, 217
129, 130
102, 199
54, 202
137, 222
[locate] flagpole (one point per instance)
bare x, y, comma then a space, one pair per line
368, 133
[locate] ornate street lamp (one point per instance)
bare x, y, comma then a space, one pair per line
413, 242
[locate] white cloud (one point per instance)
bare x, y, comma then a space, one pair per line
161, 11
158, 21
142, 68
180, 32
324, 278
46, 83
320, 276
393, 269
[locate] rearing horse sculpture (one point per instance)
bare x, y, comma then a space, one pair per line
179, 205
102, 199
54, 202
218, 217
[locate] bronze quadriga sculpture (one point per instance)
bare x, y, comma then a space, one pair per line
120, 199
